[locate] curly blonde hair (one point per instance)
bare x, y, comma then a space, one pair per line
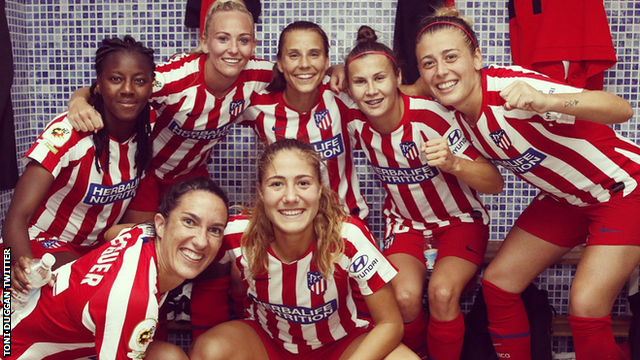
327, 225
223, 6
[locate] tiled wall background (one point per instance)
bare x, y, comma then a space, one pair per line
54, 42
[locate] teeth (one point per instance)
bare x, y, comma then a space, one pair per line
191, 254
232, 61
304, 76
374, 102
291, 212
447, 85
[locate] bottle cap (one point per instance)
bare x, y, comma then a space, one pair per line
48, 260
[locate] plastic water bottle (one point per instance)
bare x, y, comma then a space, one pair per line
430, 251
39, 277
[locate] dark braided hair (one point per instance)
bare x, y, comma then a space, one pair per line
143, 127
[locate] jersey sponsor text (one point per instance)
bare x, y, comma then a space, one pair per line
298, 314
523, 163
99, 194
398, 176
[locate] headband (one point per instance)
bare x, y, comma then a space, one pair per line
447, 23
373, 52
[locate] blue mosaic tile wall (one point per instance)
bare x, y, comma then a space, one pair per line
54, 42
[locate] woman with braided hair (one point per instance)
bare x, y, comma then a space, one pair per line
77, 185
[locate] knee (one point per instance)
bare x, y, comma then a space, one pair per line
442, 298
583, 304
160, 350
409, 302
205, 347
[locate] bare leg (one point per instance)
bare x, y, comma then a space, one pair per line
233, 340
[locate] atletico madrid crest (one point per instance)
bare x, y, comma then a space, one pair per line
236, 107
409, 150
316, 282
501, 139
323, 119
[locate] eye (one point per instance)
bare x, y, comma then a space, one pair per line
216, 232
115, 79
275, 184
314, 54
380, 78
188, 221
358, 81
223, 38
140, 81
451, 57
428, 64
245, 40
293, 56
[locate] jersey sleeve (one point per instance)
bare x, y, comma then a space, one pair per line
366, 264
125, 311
52, 148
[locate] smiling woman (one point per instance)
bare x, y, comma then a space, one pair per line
431, 175
77, 185
106, 303
296, 231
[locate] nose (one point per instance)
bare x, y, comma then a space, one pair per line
441, 68
200, 238
371, 88
127, 87
233, 49
290, 195
304, 61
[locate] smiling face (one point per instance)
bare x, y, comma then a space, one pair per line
290, 190
450, 70
229, 44
374, 87
190, 237
125, 84
303, 62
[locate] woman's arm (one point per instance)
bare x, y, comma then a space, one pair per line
387, 332
595, 106
29, 193
480, 173
82, 116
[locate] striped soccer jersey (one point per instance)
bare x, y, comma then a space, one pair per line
295, 304
191, 120
419, 196
324, 126
82, 203
104, 303
576, 162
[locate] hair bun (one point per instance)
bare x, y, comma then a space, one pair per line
366, 33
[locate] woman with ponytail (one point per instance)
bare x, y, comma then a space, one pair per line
77, 185
431, 174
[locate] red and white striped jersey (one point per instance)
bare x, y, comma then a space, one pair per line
105, 303
324, 126
82, 203
295, 304
419, 196
575, 161
191, 120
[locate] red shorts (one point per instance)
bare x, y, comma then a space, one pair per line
463, 240
152, 189
614, 222
43, 246
331, 351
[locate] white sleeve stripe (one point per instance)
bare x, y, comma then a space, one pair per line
120, 293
